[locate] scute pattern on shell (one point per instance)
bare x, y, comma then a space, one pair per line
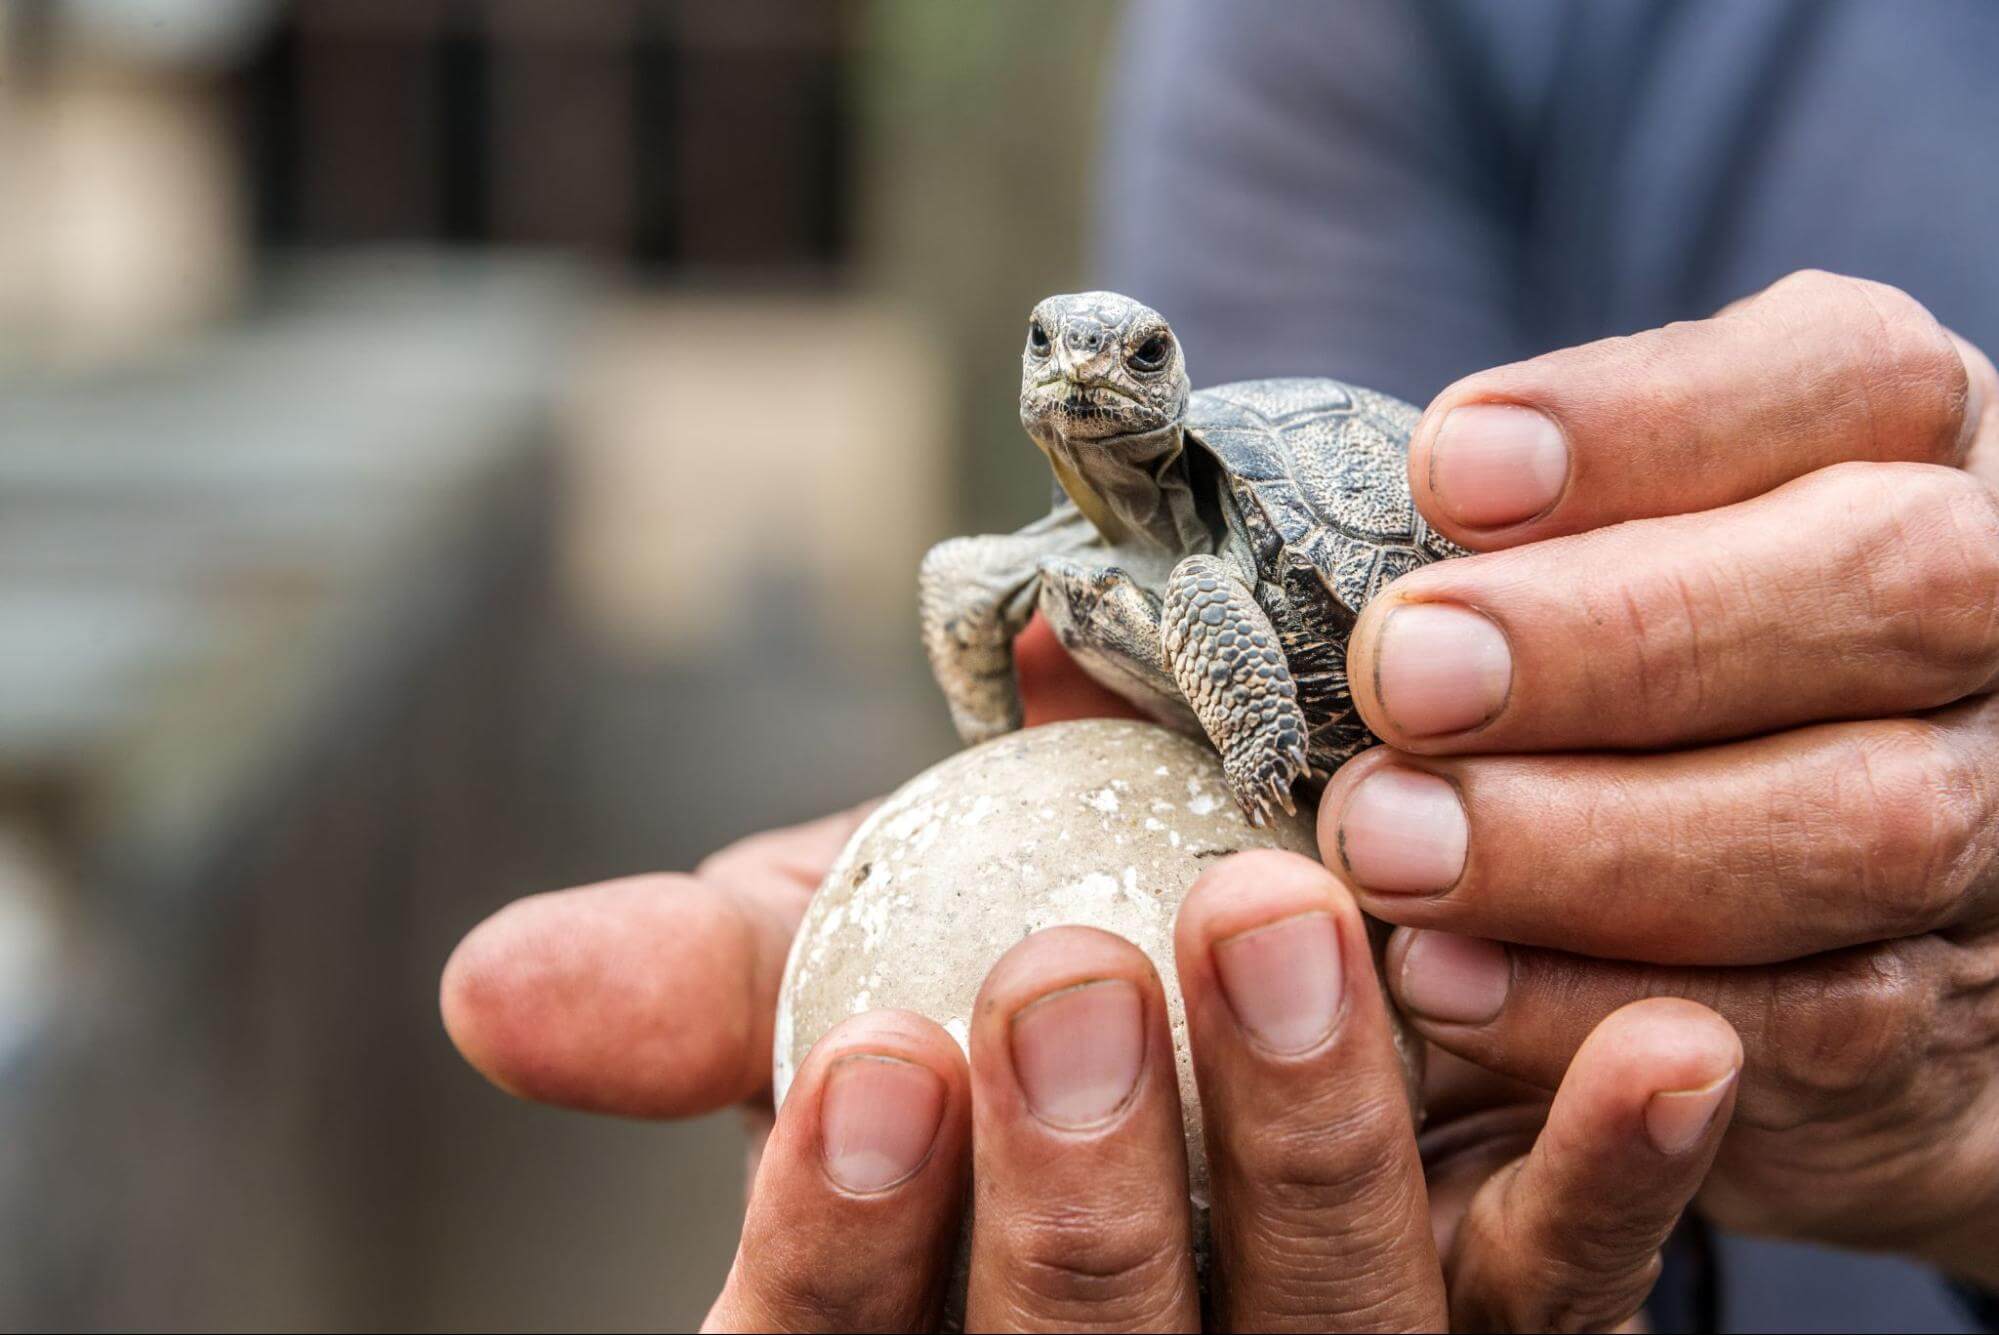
1319, 470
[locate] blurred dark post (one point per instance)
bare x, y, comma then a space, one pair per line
562, 122
371, 116
758, 142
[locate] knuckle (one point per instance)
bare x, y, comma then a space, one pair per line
1915, 383
1341, 1280
1327, 1153
1591, 1265
1819, 294
1588, 1242
1537, 1274
1614, 1300
1319, 1186
1916, 355
1577, 1297
1660, 671
1918, 818
1807, 283
1822, 290
1958, 531
1920, 564
1071, 1260
1837, 1029
774, 1288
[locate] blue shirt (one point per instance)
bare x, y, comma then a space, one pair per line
1399, 194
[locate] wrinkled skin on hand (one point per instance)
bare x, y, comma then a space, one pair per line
653, 997
1723, 733
1730, 737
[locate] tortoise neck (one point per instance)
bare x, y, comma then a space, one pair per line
1135, 488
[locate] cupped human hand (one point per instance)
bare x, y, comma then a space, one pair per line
1712, 718
652, 996
1063, 1135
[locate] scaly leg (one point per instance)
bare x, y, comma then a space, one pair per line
1225, 656
974, 596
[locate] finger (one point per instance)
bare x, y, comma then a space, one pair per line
651, 996
1053, 688
1863, 590
1829, 1042
1741, 854
854, 1217
1823, 1035
1568, 1237
1320, 1217
1081, 1219
1818, 369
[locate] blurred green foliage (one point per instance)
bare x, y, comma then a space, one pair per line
979, 126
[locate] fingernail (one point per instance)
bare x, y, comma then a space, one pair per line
1454, 979
1440, 668
1077, 1052
1282, 980
878, 1117
1497, 463
1676, 1119
1403, 832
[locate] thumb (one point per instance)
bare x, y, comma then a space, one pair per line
1568, 1236
650, 996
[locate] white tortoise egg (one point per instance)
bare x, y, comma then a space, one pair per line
1105, 823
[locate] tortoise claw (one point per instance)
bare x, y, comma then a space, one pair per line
1264, 791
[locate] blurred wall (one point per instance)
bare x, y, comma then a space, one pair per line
451, 449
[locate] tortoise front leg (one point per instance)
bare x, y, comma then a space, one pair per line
974, 596
1225, 656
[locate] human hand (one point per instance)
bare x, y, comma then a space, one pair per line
1740, 748
652, 996
1068, 1122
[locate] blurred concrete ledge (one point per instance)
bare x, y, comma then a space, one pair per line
265, 607
340, 605
429, 582
201, 561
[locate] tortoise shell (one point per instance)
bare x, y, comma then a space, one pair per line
1314, 482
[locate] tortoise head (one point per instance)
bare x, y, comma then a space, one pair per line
1098, 366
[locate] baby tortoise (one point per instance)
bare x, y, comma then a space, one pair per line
1207, 553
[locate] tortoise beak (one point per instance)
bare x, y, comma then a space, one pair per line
1082, 366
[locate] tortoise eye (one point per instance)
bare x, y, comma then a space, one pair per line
1037, 339
1151, 354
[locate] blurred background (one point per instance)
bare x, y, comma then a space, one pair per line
451, 449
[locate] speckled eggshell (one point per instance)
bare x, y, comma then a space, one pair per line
1104, 823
